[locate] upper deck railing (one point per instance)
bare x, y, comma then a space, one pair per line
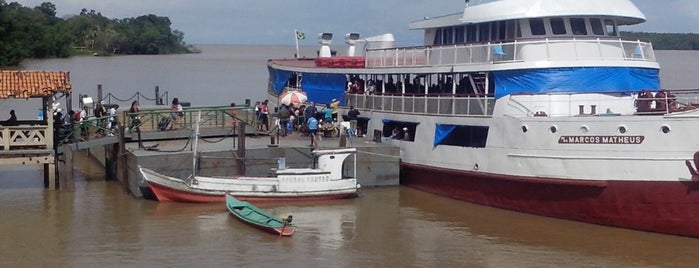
517, 51
435, 104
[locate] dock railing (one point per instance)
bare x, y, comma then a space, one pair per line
211, 117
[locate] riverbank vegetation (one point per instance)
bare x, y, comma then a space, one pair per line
37, 33
667, 41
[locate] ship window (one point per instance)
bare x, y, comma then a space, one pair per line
611, 28
484, 32
460, 135
459, 33
502, 29
398, 130
447, 36
596, 26
558, 26
437, 37
471, 33
511, 25
578, 26
537, 26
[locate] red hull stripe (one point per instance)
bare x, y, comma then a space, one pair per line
663, 207
168, 194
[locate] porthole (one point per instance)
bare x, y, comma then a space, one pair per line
525, 129
553, 129
622, 129
475, 166
665, 129
584, 129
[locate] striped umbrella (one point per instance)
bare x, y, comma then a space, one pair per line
293, 96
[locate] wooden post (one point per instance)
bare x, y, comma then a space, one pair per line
69, 102
66, 180
158, 101
240, 159
122, 167
99, 93
343, 137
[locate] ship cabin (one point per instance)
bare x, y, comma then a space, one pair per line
471, 59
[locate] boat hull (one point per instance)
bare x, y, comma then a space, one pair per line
213, 190
255, 217
663, 207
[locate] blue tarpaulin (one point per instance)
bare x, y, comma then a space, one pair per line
575, 80
278, 78
322, 88
441, 132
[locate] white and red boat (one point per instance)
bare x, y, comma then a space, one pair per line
534, 106
323, 180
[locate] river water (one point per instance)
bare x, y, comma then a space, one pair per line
100, 225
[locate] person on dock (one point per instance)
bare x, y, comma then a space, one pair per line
312, 124
310, 111
335, 106
176, 112
264, 116
328, 114
135, 118
100, 111
284, 116
112, 121
12, 121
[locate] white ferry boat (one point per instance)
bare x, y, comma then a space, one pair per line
537, 106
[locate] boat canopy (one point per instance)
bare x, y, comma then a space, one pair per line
625, 12
319, 87
575, 80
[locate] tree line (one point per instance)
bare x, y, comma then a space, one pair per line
37, 33
667, 41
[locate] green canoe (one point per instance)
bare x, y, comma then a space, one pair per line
259, 218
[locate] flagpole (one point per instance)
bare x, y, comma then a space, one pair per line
296, 37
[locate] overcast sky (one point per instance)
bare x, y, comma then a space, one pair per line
274, 21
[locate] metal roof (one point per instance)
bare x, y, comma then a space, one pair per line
624, 11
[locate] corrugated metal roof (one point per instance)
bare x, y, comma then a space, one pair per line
33, 84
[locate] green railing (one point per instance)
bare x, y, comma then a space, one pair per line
149, 120
211, 117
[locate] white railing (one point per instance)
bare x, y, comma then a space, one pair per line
517, 51
22, 137
430, 104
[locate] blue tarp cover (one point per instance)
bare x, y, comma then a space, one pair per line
322, 88
278, 78
575, 80
441, 132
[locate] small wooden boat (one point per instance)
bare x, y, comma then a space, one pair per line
259, 218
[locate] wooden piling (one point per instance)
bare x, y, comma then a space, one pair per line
99, 93
122, 167
240, 153
66, 180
